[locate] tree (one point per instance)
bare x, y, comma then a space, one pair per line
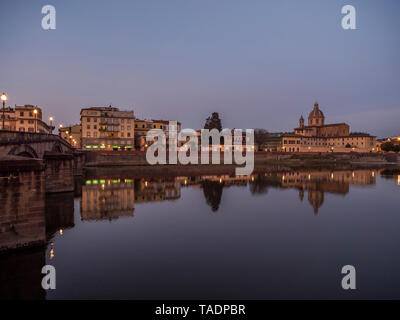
260, 137
213, 122
387, 146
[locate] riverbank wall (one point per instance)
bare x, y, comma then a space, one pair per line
116, 158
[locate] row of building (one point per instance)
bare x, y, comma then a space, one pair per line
26, 118
109, 128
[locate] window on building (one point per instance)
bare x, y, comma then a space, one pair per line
88, 134
95, 134
21, 114
135, 125
88, 119
30, 129
21, 121
88, 127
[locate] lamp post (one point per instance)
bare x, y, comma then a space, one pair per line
51, 124
4, 98
35, 112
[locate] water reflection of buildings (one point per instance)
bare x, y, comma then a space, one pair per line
317, 183
213, 186
151, 190
113, 198
107, 199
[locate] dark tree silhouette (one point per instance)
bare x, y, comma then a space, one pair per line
213, 122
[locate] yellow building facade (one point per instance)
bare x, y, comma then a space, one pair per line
26, 118
142, 127
107, 128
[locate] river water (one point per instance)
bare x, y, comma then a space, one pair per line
271, 235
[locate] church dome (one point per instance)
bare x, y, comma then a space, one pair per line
316, 113
316, 116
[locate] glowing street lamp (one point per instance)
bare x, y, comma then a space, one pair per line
3, 98
51, 124
35, 112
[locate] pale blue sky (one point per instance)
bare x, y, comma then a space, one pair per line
258, 63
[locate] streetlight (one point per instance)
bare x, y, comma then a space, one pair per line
51, 124
35, 112
4, 98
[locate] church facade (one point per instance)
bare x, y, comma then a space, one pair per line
320, 137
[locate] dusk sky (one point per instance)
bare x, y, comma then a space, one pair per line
260, 64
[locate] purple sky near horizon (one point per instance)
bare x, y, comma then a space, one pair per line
260, 64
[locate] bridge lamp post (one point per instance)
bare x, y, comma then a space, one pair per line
4, 98
51, 124
35, 112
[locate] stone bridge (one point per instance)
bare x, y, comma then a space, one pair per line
58, 161
33, 145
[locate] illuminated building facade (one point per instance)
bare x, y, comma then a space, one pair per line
320, 137
107, 128
26, 118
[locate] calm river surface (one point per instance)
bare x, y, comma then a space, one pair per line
266, 236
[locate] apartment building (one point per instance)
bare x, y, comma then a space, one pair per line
107, 128
142, 127
26, 118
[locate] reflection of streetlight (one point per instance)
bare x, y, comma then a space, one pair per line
4, 98
35, 112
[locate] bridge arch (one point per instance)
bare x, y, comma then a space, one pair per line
24, 150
